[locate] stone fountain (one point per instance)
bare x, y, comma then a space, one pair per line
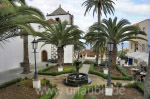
77, 79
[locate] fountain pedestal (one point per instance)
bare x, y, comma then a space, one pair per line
77, 79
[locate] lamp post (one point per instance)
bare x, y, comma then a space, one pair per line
36, 82
110, 46
109, 87
34, 46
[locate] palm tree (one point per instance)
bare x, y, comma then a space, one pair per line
105, 6
14, 17
26, 64
118, 31
98, 41
61, 35
78, 46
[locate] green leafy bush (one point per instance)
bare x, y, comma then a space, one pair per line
138, 85
92, 97
124, 73
43, 72
81, 93
103, 63
50, 94
84, 89
11, 82
25, 83
118, 84
46, 82
88, 62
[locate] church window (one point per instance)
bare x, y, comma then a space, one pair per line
57, 19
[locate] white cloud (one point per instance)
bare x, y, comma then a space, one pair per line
124, 9
128, 6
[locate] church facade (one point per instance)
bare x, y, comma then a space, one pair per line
11, 52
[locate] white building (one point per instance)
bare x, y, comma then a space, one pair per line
138, 49
11, 53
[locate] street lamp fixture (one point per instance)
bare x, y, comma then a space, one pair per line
34, 46
110, 46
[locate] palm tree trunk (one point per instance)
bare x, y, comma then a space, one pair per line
114, 56
99, 13
102, 55
26, 66
97, 57
147, 82
60, 52
99, 20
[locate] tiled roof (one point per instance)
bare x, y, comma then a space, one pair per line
51, 21
58, 11
87, 52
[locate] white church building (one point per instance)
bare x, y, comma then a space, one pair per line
11, 52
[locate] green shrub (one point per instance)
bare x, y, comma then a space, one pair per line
11, 82
138, 85
103, 63
105, 76
92, 97
51, 93
43, 72
25, 83
46, 82
81, 93
88, 62
118, 84
84, 89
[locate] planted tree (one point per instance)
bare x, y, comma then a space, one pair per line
98, 41
15, 17
78, 47
118, 31
99, 6
60, 35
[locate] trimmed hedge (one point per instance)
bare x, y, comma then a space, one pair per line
50, 94
11, 82
138, 85
40, 72
124, 73
84, 89
105, 76
88, 62
43, 71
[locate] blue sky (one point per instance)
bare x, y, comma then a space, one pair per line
133, 10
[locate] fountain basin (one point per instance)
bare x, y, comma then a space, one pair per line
77, 80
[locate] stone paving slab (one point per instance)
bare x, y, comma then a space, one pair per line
16, 73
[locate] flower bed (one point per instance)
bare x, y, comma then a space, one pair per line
124, 76
130, 89
23, 88
47, 71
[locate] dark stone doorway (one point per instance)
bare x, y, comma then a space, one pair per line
44, 56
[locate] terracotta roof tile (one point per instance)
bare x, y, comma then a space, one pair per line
51, 21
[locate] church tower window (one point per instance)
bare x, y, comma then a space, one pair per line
57, 19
